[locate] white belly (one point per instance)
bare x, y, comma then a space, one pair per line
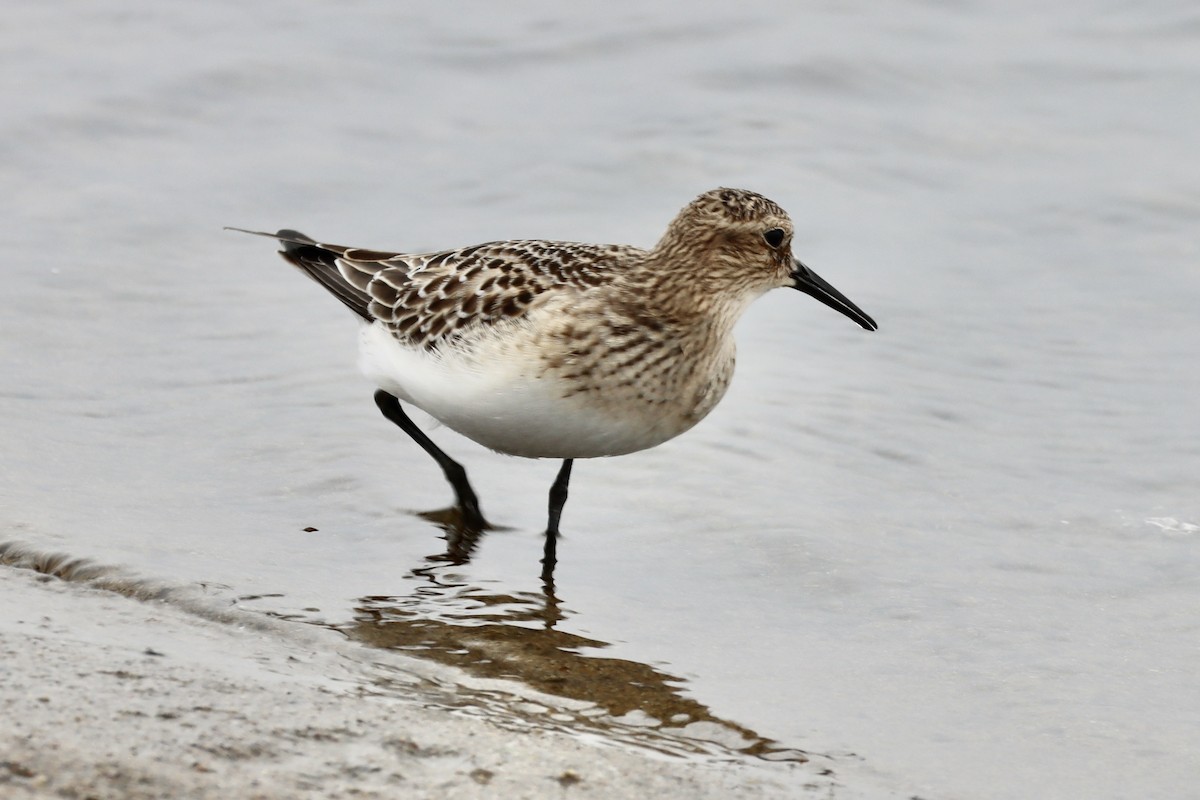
497, 393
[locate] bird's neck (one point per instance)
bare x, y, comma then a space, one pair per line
695, 297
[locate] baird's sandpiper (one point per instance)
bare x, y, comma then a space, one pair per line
563, 350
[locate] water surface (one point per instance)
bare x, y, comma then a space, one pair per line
963, 548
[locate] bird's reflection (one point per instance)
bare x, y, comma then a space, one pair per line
461, 536
517, 636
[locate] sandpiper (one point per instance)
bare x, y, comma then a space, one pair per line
550, 349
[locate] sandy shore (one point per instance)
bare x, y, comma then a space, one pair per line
111, 696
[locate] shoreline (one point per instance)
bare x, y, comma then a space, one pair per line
105, 695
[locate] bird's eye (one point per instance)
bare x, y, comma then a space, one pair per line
775, 237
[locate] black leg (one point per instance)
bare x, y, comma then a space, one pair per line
558, 498
468, 503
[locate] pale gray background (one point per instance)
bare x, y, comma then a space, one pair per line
964, 547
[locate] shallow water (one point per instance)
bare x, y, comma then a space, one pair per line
964, 547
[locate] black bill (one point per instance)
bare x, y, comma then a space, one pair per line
813, 284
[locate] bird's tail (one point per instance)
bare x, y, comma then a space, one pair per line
324, 264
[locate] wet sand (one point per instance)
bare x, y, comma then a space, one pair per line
159, 695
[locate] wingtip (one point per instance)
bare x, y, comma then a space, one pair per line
290, 239
293, 240
246, 230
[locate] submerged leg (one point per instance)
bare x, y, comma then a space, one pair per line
558, 498
464, 495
